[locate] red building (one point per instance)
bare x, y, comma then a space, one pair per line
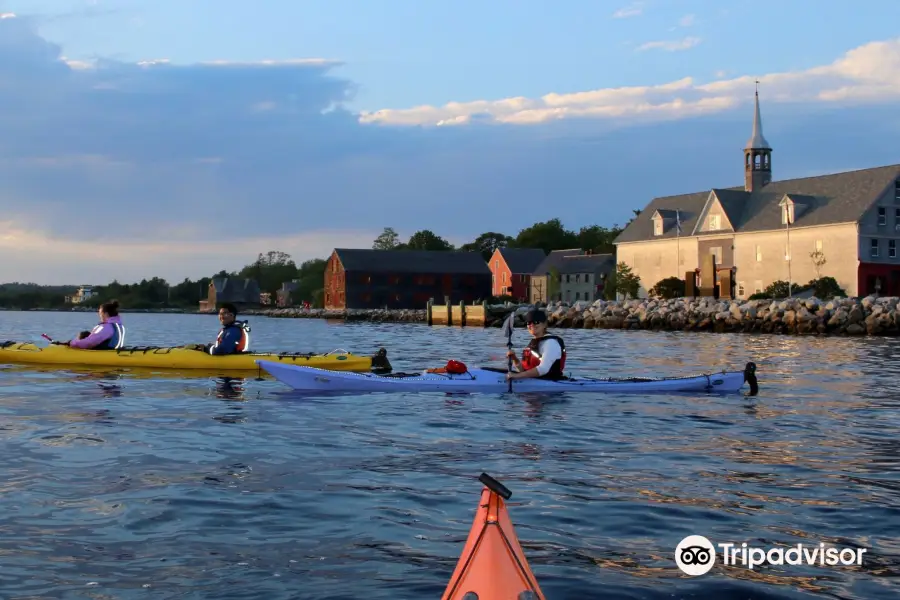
362, 278
511, 269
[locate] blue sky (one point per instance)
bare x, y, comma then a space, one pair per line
584, 110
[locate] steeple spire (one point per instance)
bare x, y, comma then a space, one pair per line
757, 141
757, 154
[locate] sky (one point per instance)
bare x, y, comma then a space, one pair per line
143, 138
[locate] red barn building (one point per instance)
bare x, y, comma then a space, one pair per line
363, 278
511, 269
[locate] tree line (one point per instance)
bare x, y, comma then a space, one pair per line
546, 235
273, 268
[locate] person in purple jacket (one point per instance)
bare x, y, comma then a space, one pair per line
109, 334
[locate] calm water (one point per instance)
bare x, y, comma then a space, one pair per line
118, 486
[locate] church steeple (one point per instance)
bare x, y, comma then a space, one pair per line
757, 155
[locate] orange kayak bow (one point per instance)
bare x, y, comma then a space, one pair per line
492, 565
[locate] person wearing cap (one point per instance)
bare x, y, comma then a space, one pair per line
545, 355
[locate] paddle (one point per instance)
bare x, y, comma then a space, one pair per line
508, 331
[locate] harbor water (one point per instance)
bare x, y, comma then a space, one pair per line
119, 486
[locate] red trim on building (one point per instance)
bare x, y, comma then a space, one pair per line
870, 274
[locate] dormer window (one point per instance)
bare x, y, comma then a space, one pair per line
787, 214
657, 227
882, 215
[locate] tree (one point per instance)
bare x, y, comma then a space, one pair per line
388, 240
627, 283
270, 270
548, 235
597, 239
552, 283
487, 243
310, 281
818, 259
427, 240
670, 287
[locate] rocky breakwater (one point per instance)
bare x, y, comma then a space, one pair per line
804, 316
371, 315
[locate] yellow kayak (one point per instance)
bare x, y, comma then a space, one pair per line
181, 358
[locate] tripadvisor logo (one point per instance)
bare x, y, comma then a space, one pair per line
695, 555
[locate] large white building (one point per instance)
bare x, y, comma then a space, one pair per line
781, 230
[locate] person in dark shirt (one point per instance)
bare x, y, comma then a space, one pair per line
234, 337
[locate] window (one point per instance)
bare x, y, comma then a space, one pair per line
818, 245
740, 288
714, 222
897, 191
504, 277
892, 248
757, 286
578, 296
657, 227
874, 248
758, 253
882, 215
577, 278
897, 219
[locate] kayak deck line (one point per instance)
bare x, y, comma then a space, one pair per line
493, 380
186, 357
486, 569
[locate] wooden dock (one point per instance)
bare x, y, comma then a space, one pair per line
473, 315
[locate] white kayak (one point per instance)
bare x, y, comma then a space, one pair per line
493, 380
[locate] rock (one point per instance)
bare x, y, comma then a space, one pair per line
810, 316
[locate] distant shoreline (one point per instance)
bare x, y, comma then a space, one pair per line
869, 316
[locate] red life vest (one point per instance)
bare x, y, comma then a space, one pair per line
243, 344
530, 360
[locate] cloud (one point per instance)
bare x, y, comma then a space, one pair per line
670, 46
866, 73
36, 256
110, 169
686, 21
634, 9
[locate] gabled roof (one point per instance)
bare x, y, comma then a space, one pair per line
587, 263
234, 289
554, 260
829, 199
522, 260
438, 262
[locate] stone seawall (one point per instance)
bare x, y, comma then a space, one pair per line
807, 316
877, 316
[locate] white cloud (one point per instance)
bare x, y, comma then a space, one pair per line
686, 20
634, 9
670, 45
866, 73
7, 15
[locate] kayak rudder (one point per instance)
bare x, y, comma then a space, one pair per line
492, 565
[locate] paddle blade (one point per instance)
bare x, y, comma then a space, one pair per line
508, 325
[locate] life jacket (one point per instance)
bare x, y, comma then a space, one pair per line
454, 367
113, 342
243, 344
530, 358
